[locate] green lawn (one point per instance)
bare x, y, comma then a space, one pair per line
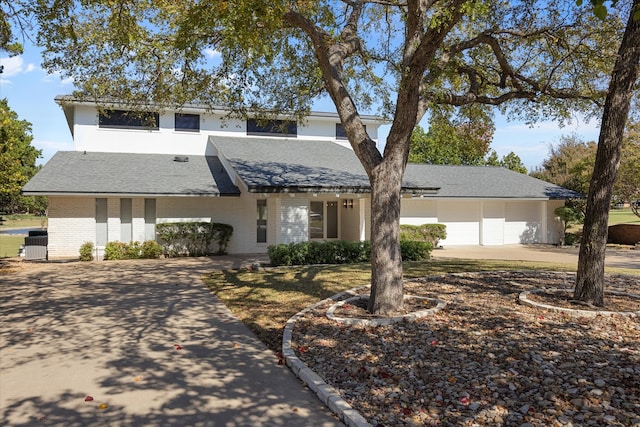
622, 216
9, 245
23, 221
265, 300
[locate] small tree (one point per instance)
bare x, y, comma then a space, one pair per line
568, 216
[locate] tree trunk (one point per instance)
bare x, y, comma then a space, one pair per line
590, 276
387, 291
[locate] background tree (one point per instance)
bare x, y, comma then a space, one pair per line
461, 140
534, 59
570, 163
509, 161
627, 186
590, 276
17, 158
568, 216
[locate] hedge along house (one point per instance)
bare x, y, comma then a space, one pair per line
276, 182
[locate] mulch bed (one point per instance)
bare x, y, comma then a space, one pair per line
484, 359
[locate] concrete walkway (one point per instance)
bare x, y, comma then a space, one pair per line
147, 342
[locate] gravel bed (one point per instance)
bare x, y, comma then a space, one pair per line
485, 359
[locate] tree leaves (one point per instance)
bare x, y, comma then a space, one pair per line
17, 157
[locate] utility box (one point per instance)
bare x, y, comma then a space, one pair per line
35, 247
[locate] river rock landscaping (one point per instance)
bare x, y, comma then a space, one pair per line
485, 359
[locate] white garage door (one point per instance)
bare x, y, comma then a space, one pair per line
462, 219
523, 223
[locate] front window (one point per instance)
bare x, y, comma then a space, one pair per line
262, 221
323, 220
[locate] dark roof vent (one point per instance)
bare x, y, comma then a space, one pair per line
181, 159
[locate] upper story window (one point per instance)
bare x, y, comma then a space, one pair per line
187, 122
122, 119
272, 127
340, 132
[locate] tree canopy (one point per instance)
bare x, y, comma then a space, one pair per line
535, 59
570, 163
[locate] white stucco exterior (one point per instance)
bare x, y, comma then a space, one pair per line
73, 218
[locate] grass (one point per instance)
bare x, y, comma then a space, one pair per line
9, 245
622, 216
265, 300
23, 221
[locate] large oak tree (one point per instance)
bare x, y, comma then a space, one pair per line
590, 278
535, 59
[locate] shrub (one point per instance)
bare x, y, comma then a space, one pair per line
193, 238
86, 251
134, 250
115, 251
150, 249
413, 250
431, 233
339, 252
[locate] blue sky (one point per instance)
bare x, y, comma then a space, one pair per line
30, 92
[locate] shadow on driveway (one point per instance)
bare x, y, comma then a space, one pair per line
147, 341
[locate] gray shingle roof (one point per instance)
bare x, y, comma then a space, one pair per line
73, 172
483, 182
308, 165
270, 165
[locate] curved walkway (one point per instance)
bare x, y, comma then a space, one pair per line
138, 343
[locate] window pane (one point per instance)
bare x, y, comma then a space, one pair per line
272, 127
340, 133
262, 221
128, 119
332, 220
187, 122
316, 220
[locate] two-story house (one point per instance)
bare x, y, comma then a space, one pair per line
274, 182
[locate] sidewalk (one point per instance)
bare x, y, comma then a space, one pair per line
147, 342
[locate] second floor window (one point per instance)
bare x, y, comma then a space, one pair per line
187, 122
122, 119
272, 127
340, 132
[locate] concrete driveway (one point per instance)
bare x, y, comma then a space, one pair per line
138, 343
615, 257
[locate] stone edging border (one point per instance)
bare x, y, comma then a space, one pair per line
386, 320
524, 299
325, 392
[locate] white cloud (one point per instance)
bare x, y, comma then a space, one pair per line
212, 53
12, 66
